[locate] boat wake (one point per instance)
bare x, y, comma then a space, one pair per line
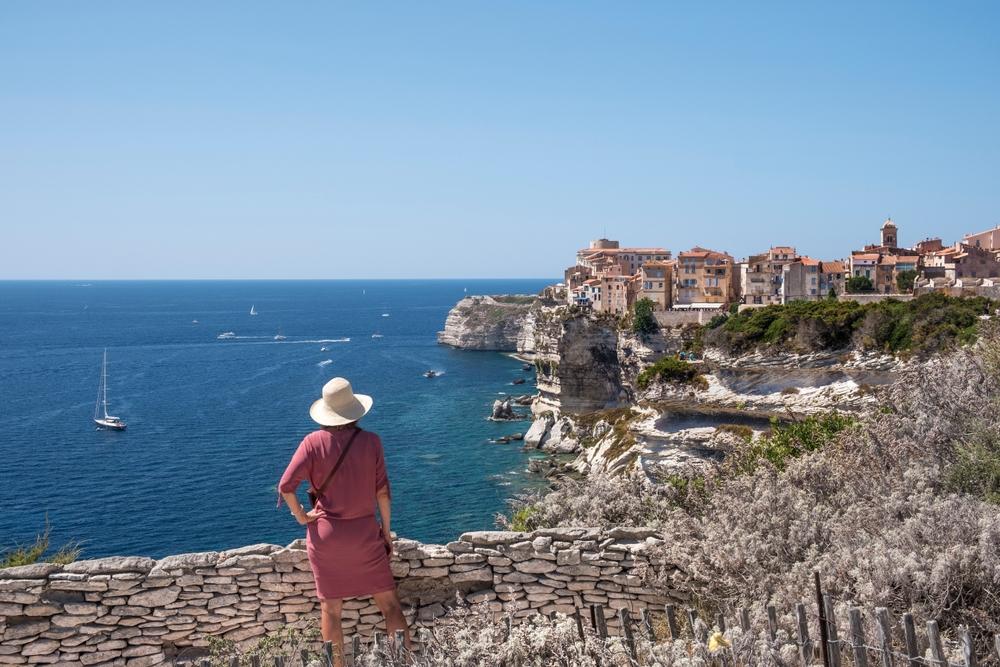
313, 341
325, 362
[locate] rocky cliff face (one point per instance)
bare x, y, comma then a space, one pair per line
490, 323
577, 361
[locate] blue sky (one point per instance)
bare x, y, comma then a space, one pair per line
482, 139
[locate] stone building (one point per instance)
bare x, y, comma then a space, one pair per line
761, 275
706, 277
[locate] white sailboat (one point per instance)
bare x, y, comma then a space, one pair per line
101, 416
253, 310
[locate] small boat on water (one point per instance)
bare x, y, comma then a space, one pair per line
431, 374
526, 367
225, 335
101, 416
253, 310
385, 314
280, 337
518, 381
377, 335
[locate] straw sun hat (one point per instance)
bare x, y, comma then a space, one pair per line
339, 405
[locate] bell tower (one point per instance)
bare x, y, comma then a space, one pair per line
890, 237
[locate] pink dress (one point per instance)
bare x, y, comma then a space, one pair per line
345, 546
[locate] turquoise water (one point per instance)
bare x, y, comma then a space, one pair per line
213, 422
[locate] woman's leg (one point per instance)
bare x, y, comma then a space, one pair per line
388, 604
331, 629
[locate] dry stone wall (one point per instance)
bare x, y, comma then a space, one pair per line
138, 612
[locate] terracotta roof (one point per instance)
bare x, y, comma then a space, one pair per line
783, 248
592, 281
703, 253
871, 256
661, 262
835, 266
809, 261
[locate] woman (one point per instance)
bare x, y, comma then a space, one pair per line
348, 551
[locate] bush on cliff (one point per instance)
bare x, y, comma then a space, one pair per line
643, 320
669, 369
928, 324
894, 511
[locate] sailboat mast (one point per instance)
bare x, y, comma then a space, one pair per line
104, 382
100, 393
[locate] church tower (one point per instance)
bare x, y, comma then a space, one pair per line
890, 237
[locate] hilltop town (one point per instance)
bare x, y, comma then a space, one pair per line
607, 278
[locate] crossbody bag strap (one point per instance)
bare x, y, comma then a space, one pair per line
340, 459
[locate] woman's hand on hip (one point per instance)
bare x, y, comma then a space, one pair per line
309, 516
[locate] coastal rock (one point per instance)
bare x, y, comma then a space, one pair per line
538, 433
503, 410
561, 438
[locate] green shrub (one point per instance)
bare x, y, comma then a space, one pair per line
521, 519
859, 285
36, 551
929, 323
669, 369
787, 441
905, 280
643, 320
976, 470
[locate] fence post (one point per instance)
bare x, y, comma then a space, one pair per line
692, 621
255, 661
279, 661
824, 643
304, 655
934, 639
744, 619
647, 625
884, 635
579, 624
234, 661
996, 644
355, 648
600, 623
910, 636
857, 638
626, 622
672, 622
832, 634
968, 653
805, 646
772, 622
720, 620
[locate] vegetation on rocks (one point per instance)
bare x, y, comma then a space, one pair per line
929, 323
897, 510
670, 369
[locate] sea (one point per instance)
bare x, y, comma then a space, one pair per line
212, 422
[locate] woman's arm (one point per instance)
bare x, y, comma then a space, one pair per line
295, 473
302, 516
385, 511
